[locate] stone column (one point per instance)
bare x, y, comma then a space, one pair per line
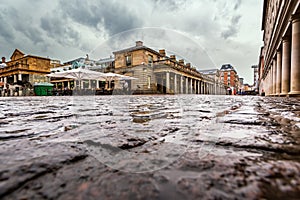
187, 85
207, 88
97, 83
278, 73
167, 82
201, 87
175, 84
271, 80
191, 86
295, 60
15, 78
198, 85
286, 65
20, 77
274, 76
181, 84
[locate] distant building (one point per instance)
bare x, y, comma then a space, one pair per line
158, 73
255, 77
241, 89
24, 68
216, 75
102, 65
230, 78
279, 64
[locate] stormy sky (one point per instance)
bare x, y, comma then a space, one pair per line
207, 33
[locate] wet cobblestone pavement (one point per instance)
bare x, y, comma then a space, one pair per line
150, 147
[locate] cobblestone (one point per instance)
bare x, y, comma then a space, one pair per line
185, 147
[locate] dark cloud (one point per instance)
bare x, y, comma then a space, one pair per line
114, 16
237, 4
60, 31
233, 28
21, 26
6, 32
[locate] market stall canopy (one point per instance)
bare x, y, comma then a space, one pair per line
80, 74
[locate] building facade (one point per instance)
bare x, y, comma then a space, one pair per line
230, 78
158, 73
25, 68
279, 66
215, 74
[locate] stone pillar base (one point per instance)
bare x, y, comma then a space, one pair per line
294, 93
283, 94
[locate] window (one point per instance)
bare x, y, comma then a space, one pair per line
150, 60
128, 60
149, 82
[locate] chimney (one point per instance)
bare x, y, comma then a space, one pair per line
162, 52
188, 65
181, 62
139, 43
3, 59
173, 57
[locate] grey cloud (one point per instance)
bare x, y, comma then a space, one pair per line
114, 16
60, 31
233, 28
237, 4
21, 25
171, 5
6, 30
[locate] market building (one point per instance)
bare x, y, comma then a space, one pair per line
23, 70
102, 65
158, 73
23, 67
279, 66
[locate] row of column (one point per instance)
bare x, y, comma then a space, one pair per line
283, 78
17, 77
76, 83
179, 84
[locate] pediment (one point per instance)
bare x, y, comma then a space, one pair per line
17, 54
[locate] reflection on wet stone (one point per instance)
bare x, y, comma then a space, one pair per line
145, 147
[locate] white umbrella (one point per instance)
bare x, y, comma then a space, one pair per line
79, 74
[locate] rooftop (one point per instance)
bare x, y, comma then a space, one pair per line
227, 67
139, 46
208, 71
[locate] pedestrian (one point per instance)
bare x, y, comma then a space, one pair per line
125, 87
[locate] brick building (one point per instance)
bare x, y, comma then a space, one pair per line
230, 78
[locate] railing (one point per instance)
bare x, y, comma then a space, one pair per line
177, 66
17, 66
